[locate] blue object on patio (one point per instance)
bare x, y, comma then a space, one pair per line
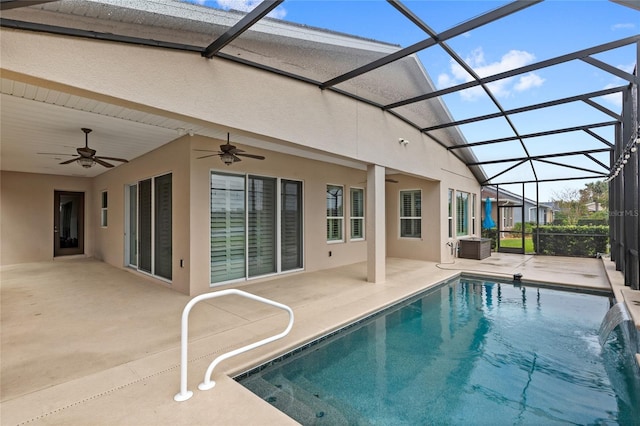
488, 221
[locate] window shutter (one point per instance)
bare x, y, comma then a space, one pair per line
262, 225
144, 225
163, 229
227, 228
291, 225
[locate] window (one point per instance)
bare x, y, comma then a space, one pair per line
357, 213
261, 235
450, 214
411, 214
473, 214
290, 225
228, 233
335, 213
103, 209
462, 213
149, 236
252, 234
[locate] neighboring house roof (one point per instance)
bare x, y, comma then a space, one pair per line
504, 195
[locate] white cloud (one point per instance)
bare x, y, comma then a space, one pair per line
502, 88
614, 99
623, 26
628, 67
528, 81
249, 5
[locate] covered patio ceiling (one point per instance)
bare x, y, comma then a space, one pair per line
568, 134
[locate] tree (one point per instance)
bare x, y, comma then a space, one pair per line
571, 208
597, 192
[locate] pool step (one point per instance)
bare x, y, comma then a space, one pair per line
300, 404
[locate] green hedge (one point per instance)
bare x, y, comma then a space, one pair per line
571, 240
491, 233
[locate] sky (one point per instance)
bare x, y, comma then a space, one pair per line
542, 31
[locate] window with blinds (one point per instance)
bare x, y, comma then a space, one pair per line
462, 213
357, 213
228, 240
291, 224
473, 214
411, 214
450, 213
144, 225
261, 225
248, 230
162, 252
335, 213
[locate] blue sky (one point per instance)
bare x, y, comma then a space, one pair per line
540, 32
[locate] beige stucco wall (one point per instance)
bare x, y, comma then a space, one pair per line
425, 248
226, 94
315, 175
110, 241
26, 215
237, 98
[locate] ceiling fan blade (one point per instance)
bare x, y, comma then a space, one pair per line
207, 156
102, 163
257, 157
55, 153
70, 161
236, 159
205, 150
122, 160
391, 180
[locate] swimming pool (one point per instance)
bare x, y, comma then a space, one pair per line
467, 352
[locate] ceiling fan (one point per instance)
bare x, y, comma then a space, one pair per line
229, 154
87, 156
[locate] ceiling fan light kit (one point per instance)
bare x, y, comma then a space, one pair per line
85, 162
229, 154
87, 157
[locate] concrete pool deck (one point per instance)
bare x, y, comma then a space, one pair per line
86, 343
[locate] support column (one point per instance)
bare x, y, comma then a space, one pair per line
376, 225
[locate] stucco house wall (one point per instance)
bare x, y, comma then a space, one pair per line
26, 215
238, 99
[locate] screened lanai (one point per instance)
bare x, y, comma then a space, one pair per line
578, 123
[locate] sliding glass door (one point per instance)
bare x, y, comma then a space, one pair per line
148, 245
291, 225
256, 226
261, 225
228, 237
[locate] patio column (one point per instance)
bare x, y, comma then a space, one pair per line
375, 224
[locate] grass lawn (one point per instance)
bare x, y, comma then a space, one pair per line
517, 243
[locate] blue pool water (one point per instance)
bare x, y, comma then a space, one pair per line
468, 352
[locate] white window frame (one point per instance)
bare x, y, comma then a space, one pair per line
450, 207
465, 214
278, 234
356, 218
418, 218
127, 205
104, 206
338, 218
473, 213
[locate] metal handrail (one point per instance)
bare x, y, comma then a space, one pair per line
185, 394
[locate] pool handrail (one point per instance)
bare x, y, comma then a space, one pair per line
184, 393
